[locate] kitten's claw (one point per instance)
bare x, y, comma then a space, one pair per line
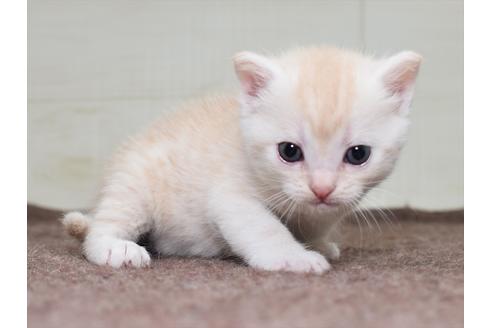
116, 253
301, 261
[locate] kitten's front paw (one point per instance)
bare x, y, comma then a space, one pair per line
116, 253
331, 251
301, 261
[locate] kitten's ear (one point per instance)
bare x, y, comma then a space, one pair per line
254, 72
398, 74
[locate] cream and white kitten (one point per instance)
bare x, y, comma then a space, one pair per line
264, 176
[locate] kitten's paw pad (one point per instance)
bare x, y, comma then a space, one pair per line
331, 251
300, 261
117, 253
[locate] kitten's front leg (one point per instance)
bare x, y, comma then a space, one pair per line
260, 238
315, 234
329, 249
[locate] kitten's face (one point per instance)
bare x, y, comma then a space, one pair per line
322, 126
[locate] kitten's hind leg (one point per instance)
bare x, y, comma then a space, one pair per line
112, 235
116, 252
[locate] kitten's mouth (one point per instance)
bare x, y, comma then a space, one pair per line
327, 203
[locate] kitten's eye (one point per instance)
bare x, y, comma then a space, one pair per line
357, 155
290, 152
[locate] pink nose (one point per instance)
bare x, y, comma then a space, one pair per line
322, 192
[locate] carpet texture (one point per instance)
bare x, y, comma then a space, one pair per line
405, 274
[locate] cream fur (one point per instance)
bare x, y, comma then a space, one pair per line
207, 180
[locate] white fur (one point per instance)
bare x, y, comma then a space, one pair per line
208, 181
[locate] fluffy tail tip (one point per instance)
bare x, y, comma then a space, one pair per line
76, 224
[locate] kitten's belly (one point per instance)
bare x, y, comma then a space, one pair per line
200, 240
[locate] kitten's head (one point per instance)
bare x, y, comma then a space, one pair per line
322, 126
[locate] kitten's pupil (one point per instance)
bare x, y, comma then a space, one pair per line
357, 155
290, 152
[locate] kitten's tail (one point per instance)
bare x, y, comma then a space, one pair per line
76, 224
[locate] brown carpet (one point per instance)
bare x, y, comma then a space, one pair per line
408, 274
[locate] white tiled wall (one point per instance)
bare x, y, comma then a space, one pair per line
99, 71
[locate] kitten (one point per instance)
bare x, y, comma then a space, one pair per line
265, 176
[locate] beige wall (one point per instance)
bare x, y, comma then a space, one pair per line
100, 70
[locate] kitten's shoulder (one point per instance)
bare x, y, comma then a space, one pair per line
208, 118
198, 114
196, 124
